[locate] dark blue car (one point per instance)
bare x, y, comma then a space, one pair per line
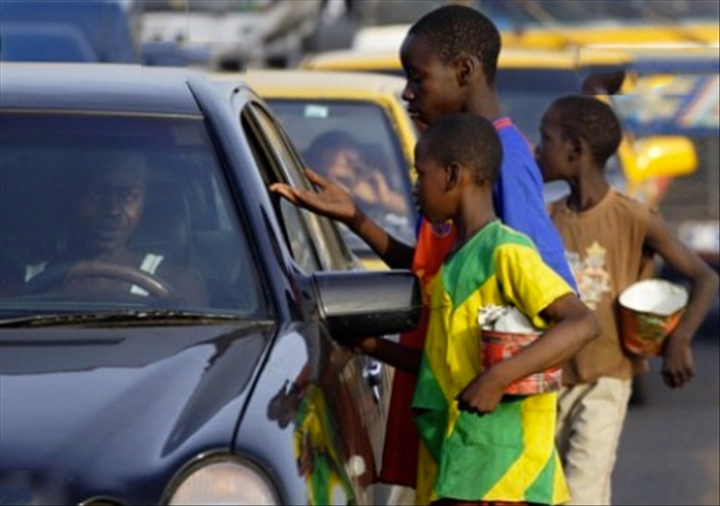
170, 331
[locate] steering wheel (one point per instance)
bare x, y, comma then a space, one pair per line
98, 269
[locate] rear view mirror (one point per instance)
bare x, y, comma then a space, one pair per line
662, 156
362, 303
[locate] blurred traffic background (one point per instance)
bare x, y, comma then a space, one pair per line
303, 57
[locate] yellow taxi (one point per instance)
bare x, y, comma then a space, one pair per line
527, 81
354, 129
562, 37
570, 35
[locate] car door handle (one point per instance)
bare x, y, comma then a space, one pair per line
373, 373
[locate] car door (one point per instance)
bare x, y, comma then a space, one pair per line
352, 386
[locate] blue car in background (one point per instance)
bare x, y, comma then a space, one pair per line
86, 31
67, 31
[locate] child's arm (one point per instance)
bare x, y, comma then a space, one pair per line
575, 327
334, 202
678, 362
395, 354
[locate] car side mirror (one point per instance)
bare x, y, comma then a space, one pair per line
369, 303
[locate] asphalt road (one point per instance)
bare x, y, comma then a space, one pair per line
670, 448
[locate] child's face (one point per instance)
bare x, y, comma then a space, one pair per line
552, 150
430, 192
432, 89
341, 167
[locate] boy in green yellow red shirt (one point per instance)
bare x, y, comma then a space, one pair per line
479, 445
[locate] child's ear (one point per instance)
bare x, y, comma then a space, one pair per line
575, 148
465, 68
452, 176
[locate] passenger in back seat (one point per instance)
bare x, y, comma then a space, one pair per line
338, 156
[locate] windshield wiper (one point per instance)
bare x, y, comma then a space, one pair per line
123, 318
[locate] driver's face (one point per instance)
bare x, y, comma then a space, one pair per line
108, 208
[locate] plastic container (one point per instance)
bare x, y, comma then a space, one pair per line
498, 346
649, 311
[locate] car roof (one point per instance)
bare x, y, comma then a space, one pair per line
312, 83
125, 88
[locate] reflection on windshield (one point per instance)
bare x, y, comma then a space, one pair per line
354, 145
116, 213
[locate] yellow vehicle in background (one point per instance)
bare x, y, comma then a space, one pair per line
621, 36
553, 24
557, 25
683, 98
527, 81
318, 105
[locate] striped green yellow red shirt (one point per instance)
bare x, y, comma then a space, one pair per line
508, 455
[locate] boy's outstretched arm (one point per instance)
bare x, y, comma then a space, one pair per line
395, 354
575, 327
334, 202
678, 366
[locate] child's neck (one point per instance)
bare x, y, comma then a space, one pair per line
472, 219
586, 192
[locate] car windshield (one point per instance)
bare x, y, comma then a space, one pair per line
516, 13
105, 213
674, 104
354, 144
536, 12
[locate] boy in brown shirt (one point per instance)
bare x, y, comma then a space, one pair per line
610, 240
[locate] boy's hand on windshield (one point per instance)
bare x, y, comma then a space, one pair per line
329, 200
483, 394
678, 367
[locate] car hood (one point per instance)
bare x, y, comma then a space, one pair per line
120, 404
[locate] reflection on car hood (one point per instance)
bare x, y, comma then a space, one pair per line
115, 404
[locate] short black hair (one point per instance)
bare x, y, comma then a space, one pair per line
456, 29
466, 139
589, 119
328, 142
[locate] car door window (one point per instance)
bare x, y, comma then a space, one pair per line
356, 144
262, 141
330, 251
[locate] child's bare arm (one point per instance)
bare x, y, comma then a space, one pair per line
395, 354
575, 327
678, 366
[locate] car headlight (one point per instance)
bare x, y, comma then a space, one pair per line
226, 481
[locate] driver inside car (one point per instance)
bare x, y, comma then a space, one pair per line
94, 257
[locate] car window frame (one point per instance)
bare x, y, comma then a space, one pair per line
285, 165
335, 254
